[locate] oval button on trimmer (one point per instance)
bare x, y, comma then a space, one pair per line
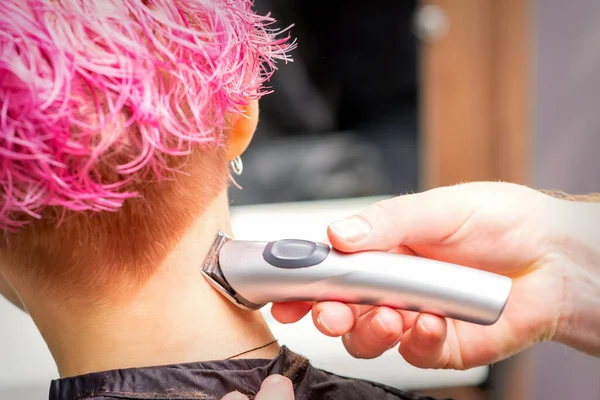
295, 253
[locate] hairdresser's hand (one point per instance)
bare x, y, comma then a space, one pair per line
545, 244
275, 387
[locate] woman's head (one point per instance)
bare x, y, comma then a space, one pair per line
117, 122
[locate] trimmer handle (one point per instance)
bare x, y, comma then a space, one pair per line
292, 270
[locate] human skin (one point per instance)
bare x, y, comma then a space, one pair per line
168, 314
549, 246
274, 387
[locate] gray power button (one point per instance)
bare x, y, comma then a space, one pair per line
295, 253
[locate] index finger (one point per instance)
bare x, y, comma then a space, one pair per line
429, 217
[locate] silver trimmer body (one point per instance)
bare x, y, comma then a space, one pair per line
252, 274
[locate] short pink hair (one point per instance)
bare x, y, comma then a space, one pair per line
120, 84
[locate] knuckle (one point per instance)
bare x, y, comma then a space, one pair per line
374, 211
374, 215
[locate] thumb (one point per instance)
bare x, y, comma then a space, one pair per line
429, 217
276, 387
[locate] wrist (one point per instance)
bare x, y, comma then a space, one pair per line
576, 254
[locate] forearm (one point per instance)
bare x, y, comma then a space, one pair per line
579, 249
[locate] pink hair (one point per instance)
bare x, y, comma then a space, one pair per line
88, 85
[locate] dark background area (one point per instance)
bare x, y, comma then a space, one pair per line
342, 121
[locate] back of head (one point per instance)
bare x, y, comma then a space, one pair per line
114, 117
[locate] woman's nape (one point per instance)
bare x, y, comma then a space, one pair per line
174, 317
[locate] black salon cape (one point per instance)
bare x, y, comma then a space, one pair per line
214, 379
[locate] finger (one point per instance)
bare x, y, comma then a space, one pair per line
374, 333
294, 311
235, 396
403, 250
408, 318
276, 387
424, 344
332, 318
425, 217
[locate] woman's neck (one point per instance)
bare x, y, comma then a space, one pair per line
176, 317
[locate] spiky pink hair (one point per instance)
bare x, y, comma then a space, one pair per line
83, 82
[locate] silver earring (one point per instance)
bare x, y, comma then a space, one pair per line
237, 166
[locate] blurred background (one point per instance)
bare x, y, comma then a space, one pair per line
388, 97
343, 120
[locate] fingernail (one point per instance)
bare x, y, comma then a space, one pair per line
387, 323
352, 230
427, 324
321, 321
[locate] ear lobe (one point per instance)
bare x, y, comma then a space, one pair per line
242, 130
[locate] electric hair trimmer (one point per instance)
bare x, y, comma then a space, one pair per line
252, 274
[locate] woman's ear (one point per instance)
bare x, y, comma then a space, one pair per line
242, 130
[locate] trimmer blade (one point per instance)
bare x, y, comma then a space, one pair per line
211, 261
211, 269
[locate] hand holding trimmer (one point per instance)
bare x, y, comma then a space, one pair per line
252, 274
